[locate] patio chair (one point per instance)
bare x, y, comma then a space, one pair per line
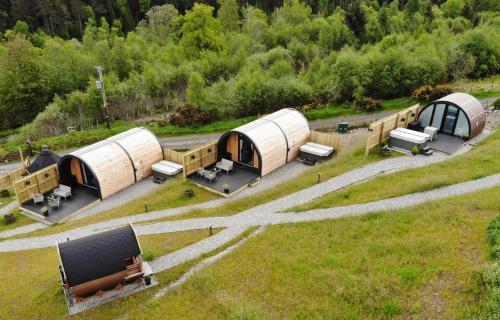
63, 191
201, 172
37, 198
210, 176
224, 164
54, 201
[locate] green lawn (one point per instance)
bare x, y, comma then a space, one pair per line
31, 283
21, 220
481, 161
419, 262
156, 245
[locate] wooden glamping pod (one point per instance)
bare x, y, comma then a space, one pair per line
457, 114
266, 143
113, 164
100, 261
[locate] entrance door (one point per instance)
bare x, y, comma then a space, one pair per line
245, 152
449, 120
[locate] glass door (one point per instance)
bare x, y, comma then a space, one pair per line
449, 120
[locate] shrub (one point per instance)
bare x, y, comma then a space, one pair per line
496, 104
415, 150
430, 93
189, 115
493, 231
368, 104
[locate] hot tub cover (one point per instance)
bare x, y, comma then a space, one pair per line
407, 137
167, 167
315, 151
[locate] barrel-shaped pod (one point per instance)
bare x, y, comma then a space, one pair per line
295, 127
143, 148
110, 164
269, 141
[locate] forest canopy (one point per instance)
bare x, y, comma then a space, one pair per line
230, 58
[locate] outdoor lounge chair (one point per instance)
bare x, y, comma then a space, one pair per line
201, 172
224, 164
54, 201
210, 176
63, 191
37, 198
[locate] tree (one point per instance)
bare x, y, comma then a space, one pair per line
159, 22
228, 14
355, 18
200, 31
453, 8
196, 89
23, 88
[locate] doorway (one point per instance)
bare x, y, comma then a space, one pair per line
449, 120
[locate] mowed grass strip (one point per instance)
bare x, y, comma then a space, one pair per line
156, 245
169, 195
481, 161
414, 263
343, 163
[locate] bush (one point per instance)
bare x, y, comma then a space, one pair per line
368, 104
496, 104
415, 150
429, 93
493, 231
189, 115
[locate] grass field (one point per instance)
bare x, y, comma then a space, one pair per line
414, 263
31, 283
481, 161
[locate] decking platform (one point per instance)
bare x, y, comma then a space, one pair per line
446, 143
237, 180
82, 199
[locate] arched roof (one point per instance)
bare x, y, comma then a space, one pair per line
120, 160
472, 108
277, 137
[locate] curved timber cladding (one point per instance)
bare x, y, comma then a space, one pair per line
113, 164
458, 114
274, 140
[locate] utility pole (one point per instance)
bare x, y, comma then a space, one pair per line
100, 85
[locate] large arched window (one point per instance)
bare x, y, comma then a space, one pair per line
462, 128
425, 116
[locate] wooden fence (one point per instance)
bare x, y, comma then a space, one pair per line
380, 129
6, 181
327, 139
173, 156
41, 181
202, 156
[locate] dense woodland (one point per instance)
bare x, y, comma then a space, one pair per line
229, 58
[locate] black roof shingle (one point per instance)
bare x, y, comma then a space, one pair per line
98, 255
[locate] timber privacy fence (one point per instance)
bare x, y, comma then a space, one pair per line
380, 129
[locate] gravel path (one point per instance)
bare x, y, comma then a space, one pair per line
247, 220
4, 210
201, 265
321, 214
